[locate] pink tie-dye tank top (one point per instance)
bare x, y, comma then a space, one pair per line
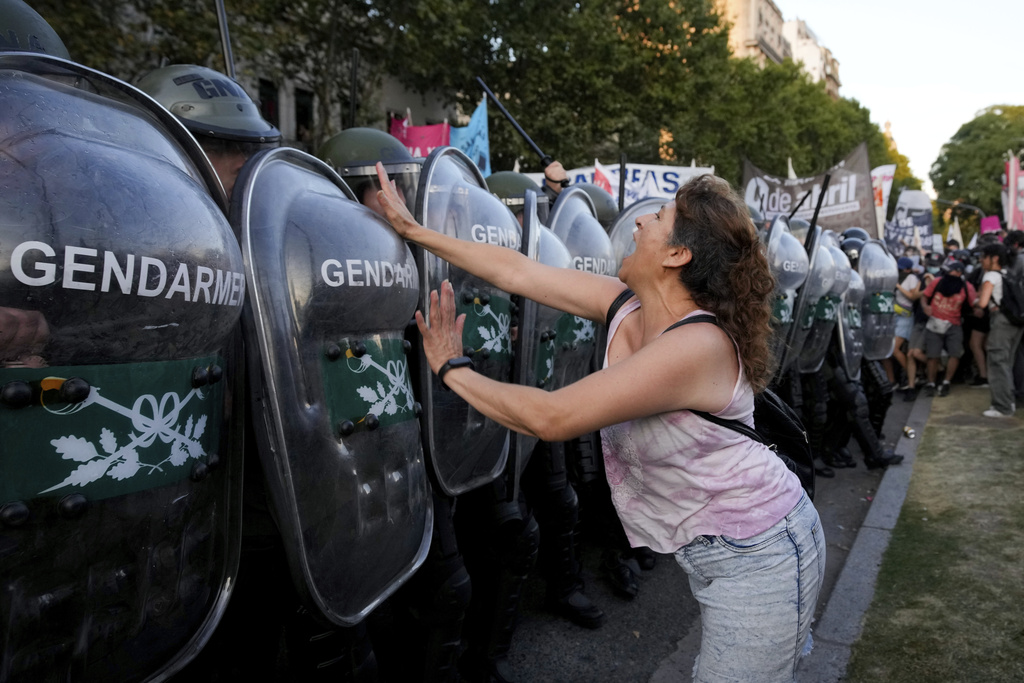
676, 476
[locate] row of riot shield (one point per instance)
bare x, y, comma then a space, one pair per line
823, 299
146, 320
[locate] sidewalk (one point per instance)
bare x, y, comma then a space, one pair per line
840, 624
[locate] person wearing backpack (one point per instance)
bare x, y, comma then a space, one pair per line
730, 511
944, 299
1004, 336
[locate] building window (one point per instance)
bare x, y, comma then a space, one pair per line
303, 115
268, 102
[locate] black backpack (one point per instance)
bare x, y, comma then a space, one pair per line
776, 425
1012, 305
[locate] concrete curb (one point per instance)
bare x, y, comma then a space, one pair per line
843, 619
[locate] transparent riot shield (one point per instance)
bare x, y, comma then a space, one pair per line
574, 222
827, 310
849, 330
526, 346
789, 264
820, 276
465, 448
332, 289
622, 229
878, 270
120, 462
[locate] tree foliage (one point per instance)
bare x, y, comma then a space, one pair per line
971, 163
649, 79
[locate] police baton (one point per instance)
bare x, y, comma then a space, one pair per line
225, 40
797, 207
545, 159
821, 198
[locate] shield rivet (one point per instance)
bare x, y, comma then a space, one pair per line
372, 422
333, 352
544, 337
485, 353
200, 377
16, 394
72, 505
74, 390
406, 346
467, 297
417, 408
468, 351
14, 514
485, 298
346, 427
358, 349
216, 373
199, 471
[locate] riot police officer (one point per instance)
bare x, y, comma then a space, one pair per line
265, 606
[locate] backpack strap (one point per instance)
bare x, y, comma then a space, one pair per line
620, 300
734, 425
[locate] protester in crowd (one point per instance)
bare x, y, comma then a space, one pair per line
1014, 244
1004, 337
908, 290
976, 327
714, 498
951, 246
944, 299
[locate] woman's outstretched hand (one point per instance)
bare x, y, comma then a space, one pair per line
442, 339
393, 204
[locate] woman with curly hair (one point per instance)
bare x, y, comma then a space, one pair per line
730, 511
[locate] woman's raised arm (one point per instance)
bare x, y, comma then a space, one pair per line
586, 295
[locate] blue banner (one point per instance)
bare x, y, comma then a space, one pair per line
473, 140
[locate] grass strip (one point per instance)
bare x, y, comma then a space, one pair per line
949, 604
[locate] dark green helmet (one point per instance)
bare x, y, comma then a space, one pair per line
22, 29
208, 103
604, 203
510, 187
354, 153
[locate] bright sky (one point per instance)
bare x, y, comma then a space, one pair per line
926, 66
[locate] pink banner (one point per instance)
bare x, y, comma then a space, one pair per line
989, 224
421, 140
1014, 215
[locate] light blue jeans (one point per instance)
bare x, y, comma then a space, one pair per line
757, 598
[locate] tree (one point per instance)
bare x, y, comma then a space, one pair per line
971, 163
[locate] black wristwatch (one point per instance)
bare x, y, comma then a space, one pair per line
458, 362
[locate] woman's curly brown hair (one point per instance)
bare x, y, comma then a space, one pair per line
729, 274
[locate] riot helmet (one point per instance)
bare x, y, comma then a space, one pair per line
354, 153
217, 111
852, 246
799, 227
859, 233
22, 29
604, 203
510, 187
209, 103
756, 216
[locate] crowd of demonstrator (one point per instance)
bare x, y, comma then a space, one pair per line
949, 315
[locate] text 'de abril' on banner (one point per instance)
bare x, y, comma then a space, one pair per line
848, 201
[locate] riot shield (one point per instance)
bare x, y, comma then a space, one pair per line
331, 290
878, 270
120, 464
526, 347
574, 222
789, 264
820, 276
827, 310
465, 448
848, 330
621, 231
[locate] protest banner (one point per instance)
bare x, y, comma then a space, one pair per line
642, 180
420, 140
473, 139
881, 187
847, 203
911, 224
